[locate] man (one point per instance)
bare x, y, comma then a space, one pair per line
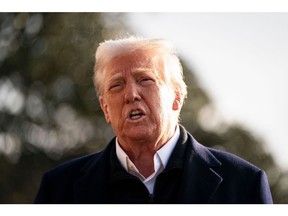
152, 159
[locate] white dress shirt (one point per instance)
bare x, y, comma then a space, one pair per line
161, 158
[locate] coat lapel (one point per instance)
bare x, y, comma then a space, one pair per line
200, 181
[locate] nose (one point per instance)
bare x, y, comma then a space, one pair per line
132, 93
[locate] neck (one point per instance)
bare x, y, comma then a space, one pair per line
141, 153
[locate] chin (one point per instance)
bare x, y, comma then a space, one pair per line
138, 133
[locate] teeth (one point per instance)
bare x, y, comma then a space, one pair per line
135, 114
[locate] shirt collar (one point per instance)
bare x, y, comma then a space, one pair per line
160, 158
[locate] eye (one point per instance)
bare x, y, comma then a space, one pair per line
145, 81
115, 86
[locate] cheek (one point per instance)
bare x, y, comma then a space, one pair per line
167, 99
114, 109
160, 100
160, 106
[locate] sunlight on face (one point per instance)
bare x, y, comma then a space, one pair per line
137, 102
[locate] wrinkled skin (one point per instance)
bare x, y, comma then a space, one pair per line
141, 107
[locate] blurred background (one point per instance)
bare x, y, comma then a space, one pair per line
49, 112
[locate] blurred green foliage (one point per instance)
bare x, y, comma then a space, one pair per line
49, 112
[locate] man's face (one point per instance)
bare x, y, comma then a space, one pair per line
136, 101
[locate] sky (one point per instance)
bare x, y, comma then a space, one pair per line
241, 61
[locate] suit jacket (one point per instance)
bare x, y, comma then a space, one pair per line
207, 176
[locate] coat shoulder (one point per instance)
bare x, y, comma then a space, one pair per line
57, 184
248, 181
73, 167
233, 161
213, 157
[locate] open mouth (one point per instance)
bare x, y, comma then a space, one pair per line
136, 114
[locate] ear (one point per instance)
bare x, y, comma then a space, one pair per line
104, 108
177, 103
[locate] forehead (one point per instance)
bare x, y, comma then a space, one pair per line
134, 61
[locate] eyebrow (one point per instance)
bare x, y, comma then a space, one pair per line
135, 71
143, 70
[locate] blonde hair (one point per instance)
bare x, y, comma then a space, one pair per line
173, 71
